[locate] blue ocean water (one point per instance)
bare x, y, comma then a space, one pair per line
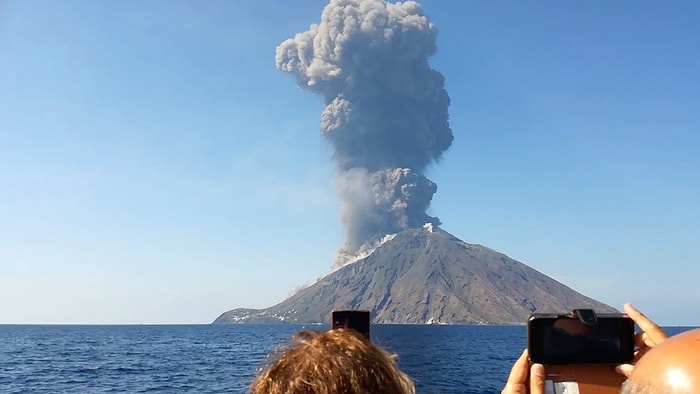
224, 358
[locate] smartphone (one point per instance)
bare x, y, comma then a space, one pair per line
354, 319
567, 339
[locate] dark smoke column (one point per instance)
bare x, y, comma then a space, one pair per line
385, 111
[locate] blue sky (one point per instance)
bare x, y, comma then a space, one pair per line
155, 167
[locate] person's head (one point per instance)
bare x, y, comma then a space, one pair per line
334, 361
573, 327
671, 367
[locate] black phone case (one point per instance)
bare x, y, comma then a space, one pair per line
561, 339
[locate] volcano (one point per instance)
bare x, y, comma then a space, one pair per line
424, 276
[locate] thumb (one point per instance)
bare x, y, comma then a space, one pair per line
537, 379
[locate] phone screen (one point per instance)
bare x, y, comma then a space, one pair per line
566, 340
356, 320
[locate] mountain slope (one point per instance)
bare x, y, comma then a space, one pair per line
423, 276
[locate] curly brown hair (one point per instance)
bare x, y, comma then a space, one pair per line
331, 362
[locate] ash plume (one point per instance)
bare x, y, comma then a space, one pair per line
385, 112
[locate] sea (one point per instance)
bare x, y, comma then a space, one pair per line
226, 358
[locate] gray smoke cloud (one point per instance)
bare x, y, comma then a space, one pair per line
385, 111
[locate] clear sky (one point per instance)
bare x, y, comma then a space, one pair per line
155, 166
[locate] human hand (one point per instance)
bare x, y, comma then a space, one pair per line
518, 378
650, 336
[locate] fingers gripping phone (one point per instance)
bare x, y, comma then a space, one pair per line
353, 319
580, 349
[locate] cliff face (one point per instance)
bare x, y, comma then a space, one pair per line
427, 277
